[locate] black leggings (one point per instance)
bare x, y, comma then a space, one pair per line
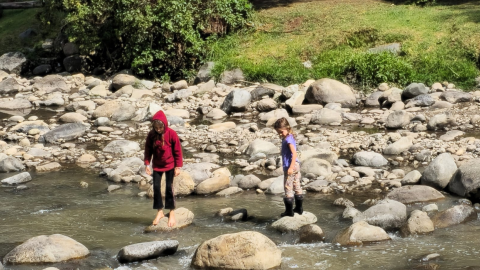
157, 194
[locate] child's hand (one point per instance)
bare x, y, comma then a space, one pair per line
290, 171
177, 172
147, 170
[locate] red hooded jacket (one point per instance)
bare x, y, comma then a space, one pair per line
169, 155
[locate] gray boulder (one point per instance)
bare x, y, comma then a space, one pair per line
116, 110
398, 119
372, 99
146, 251
415, 89
13, 62
413, 194
15, 104
411, 178
277, 186
26, 126
17, 179
261, 146
8, 86
204, 73
440, 171
466, 181
396, 148
369, 159
456, 96
51, 83
359, 233
454, 215
418, 223
421, 101
441, 121
326, 116
42, 70
10, 164
236, 101
317, 185
53, 99
232, 76
122, 80
326, 91
200, 171
290, 224
122, 147
249, 181
65, 132
311, 234
72, 63
387, 214
316, 166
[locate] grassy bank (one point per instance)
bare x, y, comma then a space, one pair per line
439, 43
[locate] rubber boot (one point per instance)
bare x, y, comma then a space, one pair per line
288, 207
298, 204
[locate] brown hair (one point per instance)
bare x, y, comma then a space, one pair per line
282, 123
158, 137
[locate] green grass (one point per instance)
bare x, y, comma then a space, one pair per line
439, 43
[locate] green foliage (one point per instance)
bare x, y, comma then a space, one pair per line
422, 2
155, 38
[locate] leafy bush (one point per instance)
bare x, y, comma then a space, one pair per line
153, 38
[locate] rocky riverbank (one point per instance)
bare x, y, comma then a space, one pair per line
401, 146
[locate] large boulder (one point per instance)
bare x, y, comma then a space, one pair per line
65, 132
291, 224
51, 83
277, 186
52, 99
324, 154
441, 120
440, 171
359, 233
183, 218
17, 179
46, 249
13, 62
219, 181
387, 214
73, 118
418, 223
122, 147
398, 119
183, 184
232, 76
466, 181
413, 194
146, 251
10, 164
9, 85
326, 117
261, 146
396, 148
200, 171
15, 104
456, 96
326, 91
266, 89
249, 181
72, 63
116, 110
243, 250
204, 73
372, 99
414, 89
122, 80
453, 216
369, 159
310, 234
236, 101
317, 167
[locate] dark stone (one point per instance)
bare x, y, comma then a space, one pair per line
73, 63
29, 33
423, 100
70, 49
42, 70
205, 73
242, 211
261, 91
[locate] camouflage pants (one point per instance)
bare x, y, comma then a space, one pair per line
292, 182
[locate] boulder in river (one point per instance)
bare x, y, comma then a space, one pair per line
17, 179
454, 215
326, 91
369, 159
10, 164
261, 146
249, 181
146, 251
387, 214
219, 181
398, 119
13, 62
200, 171
183, 217
116, 110
65, 132
122, 147
311, 234
440, 171
243, 250
316, 166
415, 193
46, 249
15, 104
466, 181
236, 101
290, 224
417, 223
183, 184
359, 233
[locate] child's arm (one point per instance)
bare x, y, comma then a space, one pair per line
294, 158
177, 154
148, 150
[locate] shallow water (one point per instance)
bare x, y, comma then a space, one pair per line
104, 222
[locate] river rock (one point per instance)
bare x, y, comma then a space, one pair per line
411, 178
146, 251
289, 224
122, 147
236, 101
266, 105
413, 194
232, 76
177, 112
42, 70
200, 171
73, 118
9, 85
15, 104
295, 100
311, 234
261, 146
369, 159
387, 214
440, 171
466, 181
13, 62
243, 250
52, 166
52, 99
10, 164
65, 132
398, 119
421, 101
359, 233
182, 84
343, 202
440, 121
122, 80
456, 96
183, 184
396, 148
26, 126
414, 89
17, 179
86, 158
303, 109
324, 154
317, 185
372, 99
277, 186
249, 181
453, 216
229, 191
316, 166
127, 168
204, 73
418, 223
219, 181
327, 90
51, 83
116, 110
183, 218
38, 153
216, 114
326, 117
46, 249
220, 127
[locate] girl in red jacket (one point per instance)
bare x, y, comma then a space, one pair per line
163, 144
